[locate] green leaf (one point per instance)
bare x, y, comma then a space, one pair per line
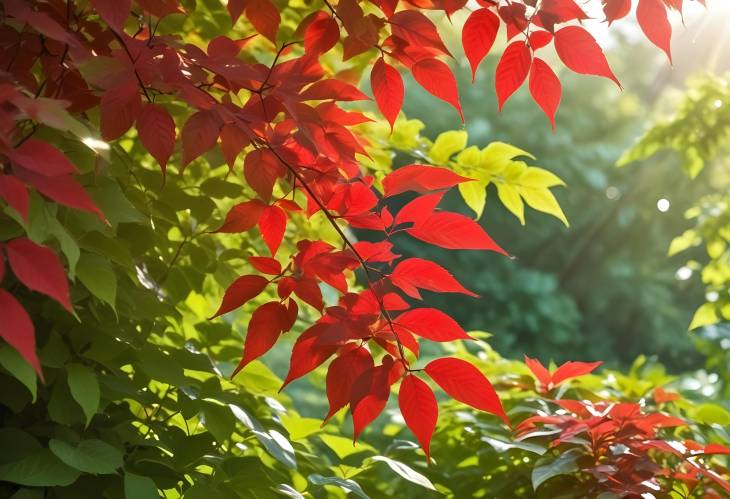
406, 472
446, 144
84, 389
219, 421
712, 414
11, 360
39, 469
549, 467
704, 316
502, 446
90, 456
97, 275
344, 483
299, 427
274, 442
342, 446
139, 487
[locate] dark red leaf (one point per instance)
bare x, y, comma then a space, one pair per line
333, 90
308, 354
417, 30
579, 52
436, 77
120, 107
512, 70
39, 269
199, 134
370, 394
13, 192
114, 12
465, 383
64, 190
261, 169
157, 133
17, 329
387, 85
43, 158
243, 289
545, 88
420, 178
478, 35
264, 16
419, 409
233, 140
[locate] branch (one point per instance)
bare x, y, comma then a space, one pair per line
333, 221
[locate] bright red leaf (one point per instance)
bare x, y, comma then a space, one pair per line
431, 324
478, 35
341, 376
419, 409
387, 85
453, 231
421, 179
436, 77
545, 88
243, 289
512, 70
272, 225
652, 17
413, 274
579, 52
264, 328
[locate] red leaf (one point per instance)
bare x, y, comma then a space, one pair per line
199, 134
538, 39
233, 140
308, 354
413, 274
387, 85
436, 77
119, 107
17, 329
157, 133
14, 193
341, 376
539, 370
242, 217
465, 383
579, 52
264, 16
114, 12
272, 226
573, 370
616, 9
333, 90
453, 231
64, 190
261, 169
43, 158
421, 179
652, 17
512, 70
419, 209
419, 409
370, 394
321, 35
545, 88
431, 324
265, 265
478, 35
243, 289
417, 30
264, 329
39, 269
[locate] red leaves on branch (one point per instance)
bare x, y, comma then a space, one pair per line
288, 120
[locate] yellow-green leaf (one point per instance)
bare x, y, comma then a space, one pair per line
510, 198
704, 316
543, 200
447, 144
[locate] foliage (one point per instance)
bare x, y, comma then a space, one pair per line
134, 397
700, 132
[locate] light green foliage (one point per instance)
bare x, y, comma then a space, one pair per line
699, 132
